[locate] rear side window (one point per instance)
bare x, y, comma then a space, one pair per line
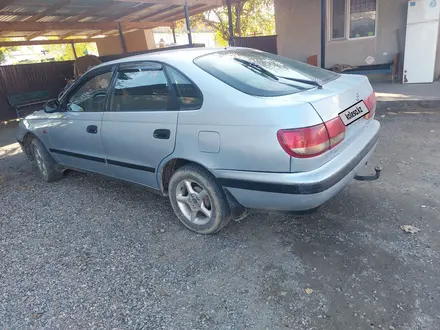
188, 94
224, 66
141, 89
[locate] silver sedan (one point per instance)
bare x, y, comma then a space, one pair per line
218, 131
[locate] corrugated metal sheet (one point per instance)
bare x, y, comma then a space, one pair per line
142, 12
91, 19
32, 9
9, 18
51, 19
46, 3
117, 8
170, 12
72, 11
86, 3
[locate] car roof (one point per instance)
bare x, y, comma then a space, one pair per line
186, 54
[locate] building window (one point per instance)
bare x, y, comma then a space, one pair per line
338, 19
360, 23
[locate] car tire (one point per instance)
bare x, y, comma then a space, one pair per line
197, 200
44, 162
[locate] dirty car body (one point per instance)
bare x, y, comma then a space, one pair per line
269, 132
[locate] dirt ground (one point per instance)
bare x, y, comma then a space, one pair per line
87, 252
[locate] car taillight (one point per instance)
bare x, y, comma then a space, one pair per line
370, 102
312, 141
336, 131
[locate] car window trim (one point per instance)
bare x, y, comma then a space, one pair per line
166, 65
138, 65
86, 78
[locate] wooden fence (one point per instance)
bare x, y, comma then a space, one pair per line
52, 76
264, 43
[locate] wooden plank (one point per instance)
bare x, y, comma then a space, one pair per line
45, 42
68, 34
34, 35
182, 2
57, 26
26, 13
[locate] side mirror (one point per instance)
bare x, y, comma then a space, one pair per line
51, 106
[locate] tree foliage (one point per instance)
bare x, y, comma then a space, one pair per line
48, 53
64, 52
249, 17
5, 51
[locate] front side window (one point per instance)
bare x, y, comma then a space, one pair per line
230, 67
141, 89
189, 96
360, 22
90, 97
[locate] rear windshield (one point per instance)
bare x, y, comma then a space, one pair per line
224, 66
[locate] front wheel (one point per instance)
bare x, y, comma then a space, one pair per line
197, 200
44, 161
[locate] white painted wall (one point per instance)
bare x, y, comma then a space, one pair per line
298, 24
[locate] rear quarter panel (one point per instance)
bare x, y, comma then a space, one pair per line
245, 126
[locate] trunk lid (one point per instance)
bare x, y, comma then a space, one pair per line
335, 97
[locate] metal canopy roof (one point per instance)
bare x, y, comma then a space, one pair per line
90, 18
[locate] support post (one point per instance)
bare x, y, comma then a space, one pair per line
188, 24
231, 27
323, 32
74, 50
173, 28
122, 39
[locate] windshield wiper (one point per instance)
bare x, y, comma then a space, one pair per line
266, 72
256, 67
303, 81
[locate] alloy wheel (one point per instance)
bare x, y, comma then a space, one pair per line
194, 202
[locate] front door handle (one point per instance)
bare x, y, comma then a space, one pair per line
163, 134
92, 129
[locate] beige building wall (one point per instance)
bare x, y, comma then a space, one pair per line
135, 41
298, 24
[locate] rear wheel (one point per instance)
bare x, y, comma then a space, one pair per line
44, 161
198, 201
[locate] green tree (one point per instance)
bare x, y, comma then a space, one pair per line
64, 52
5, 51
250, 18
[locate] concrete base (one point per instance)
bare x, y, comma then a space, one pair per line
399, 97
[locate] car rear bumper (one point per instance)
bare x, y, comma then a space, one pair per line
306, 190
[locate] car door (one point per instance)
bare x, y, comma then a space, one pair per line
75, 135
139, 128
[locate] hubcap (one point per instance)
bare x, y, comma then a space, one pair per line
194, 202
40, 161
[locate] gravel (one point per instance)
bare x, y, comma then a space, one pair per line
87, 252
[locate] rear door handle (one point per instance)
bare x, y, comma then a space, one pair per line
163, 134
92, 129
